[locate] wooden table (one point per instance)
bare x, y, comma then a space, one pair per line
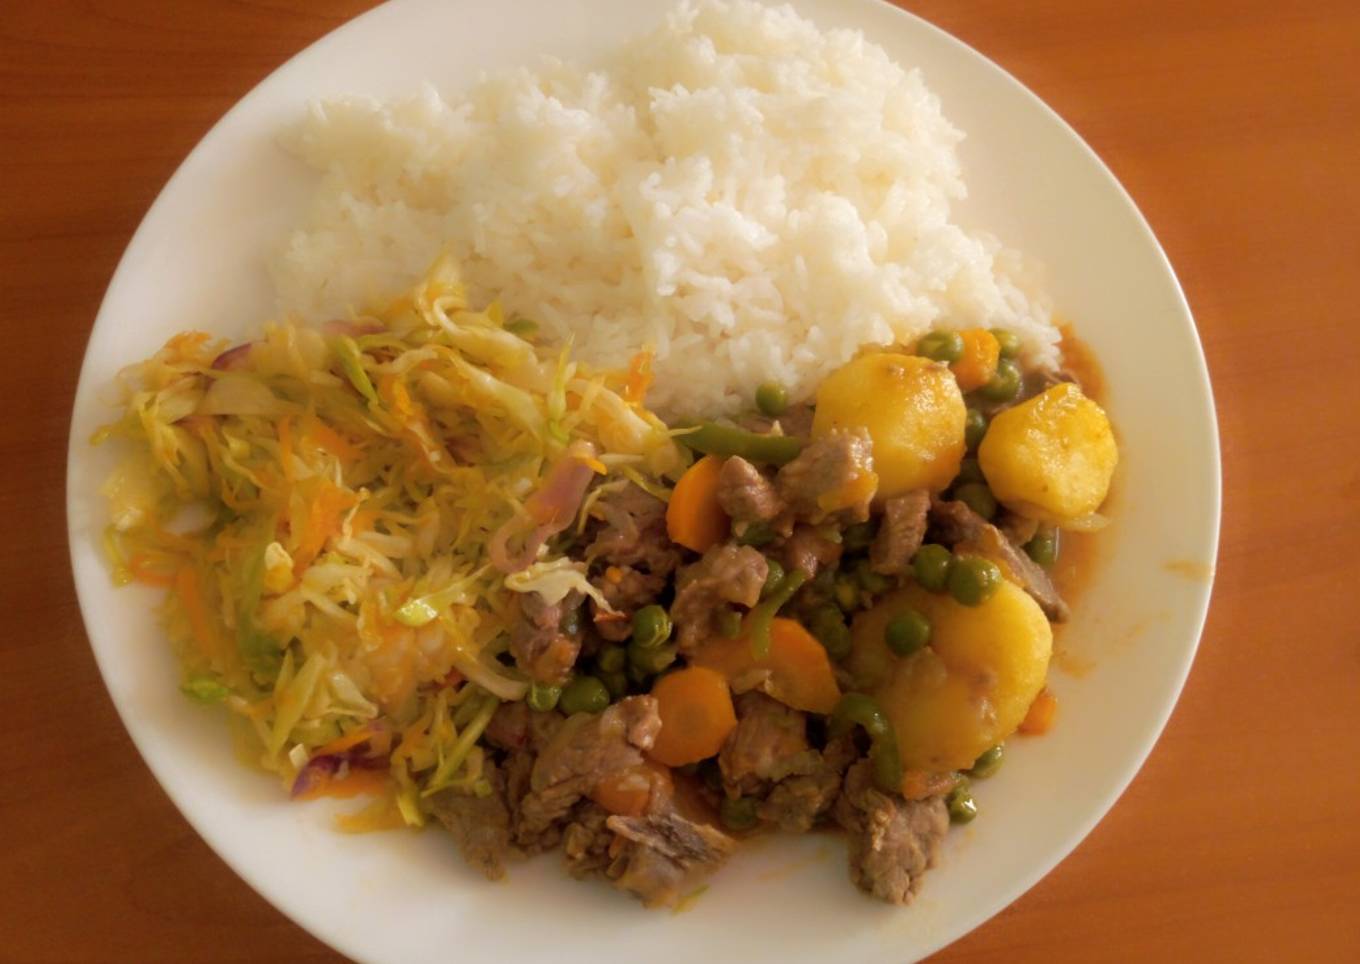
1235, 125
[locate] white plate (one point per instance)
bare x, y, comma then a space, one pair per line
197, 261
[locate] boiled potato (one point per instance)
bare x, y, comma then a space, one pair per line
911, 408
970, 688
1050, 458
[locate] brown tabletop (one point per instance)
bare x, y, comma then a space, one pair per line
1235, 124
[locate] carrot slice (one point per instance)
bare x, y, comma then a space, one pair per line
694, 518
977, 364
696, 713
1042, 712
797, 670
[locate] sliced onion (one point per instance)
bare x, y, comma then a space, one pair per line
551, 509
233, 359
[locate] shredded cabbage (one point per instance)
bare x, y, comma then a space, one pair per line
335, 589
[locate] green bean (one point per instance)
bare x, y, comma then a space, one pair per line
611, 659
856, 709
970, 470
543, 697
756, 534
763, 615
584, 694
1005, 384
1043, 548
772, 399
974, 428
973, 580
962, 807
651, 626
773, 577
1008, 340
727, 440
738, 814
828, 626
931, 566
907, 632
729, 623
942, 346
988, 763
977, 497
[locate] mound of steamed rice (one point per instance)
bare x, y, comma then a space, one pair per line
751, 197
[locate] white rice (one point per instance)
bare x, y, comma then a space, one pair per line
753, 198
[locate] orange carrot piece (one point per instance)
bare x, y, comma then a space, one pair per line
331, 440
1039, 719
629, 792
190, 595
357, 781
696, 713
797, 670
694, 519
140, 568
639, 377
324, 515
977, 364
921, 784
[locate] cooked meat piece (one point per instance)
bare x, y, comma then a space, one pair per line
900, 532
584, 750
479, 825
1017, 528
893, 842
745, 494
829, 477
627, 590
516, 727
543, 650
586, 840
661, 857
768, 744
726, 574
633, 533
808, 549
797, 420
797, 803
960, 526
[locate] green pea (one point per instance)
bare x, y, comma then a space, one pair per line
738, 814
870, 581
962, 807
931, 566
650, 660
584, 694
756, 534
772, 399
970, 470
941, 346
729, 623
973, 580
773, 578
611, 659
977, 497
846, 592
828, 626
858, 536
651, 626
907, 632
543, 697
1043, 548
974, 428
1008, 340
988, 763
1005, 384
616, 682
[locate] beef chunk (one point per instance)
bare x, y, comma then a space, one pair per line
584, 751
542, 643
893, 841
633, 532
663, 856
797, 803
626, 590
745, 494
586, 840
960, 526
516, 727
900, 532
479, 825
808, 549
768, 744
727, 574
830, 477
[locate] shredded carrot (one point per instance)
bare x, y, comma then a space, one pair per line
695, 706
977, 364
694, 518
797, 670
324, 514
360, 734
190, 595
639, 377
331, 440
140, 568
1039, 719
357, 781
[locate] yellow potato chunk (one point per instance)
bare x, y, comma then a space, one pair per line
911, 408
1052, 457
970, 688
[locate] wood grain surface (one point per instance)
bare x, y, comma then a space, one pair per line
1235, 126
